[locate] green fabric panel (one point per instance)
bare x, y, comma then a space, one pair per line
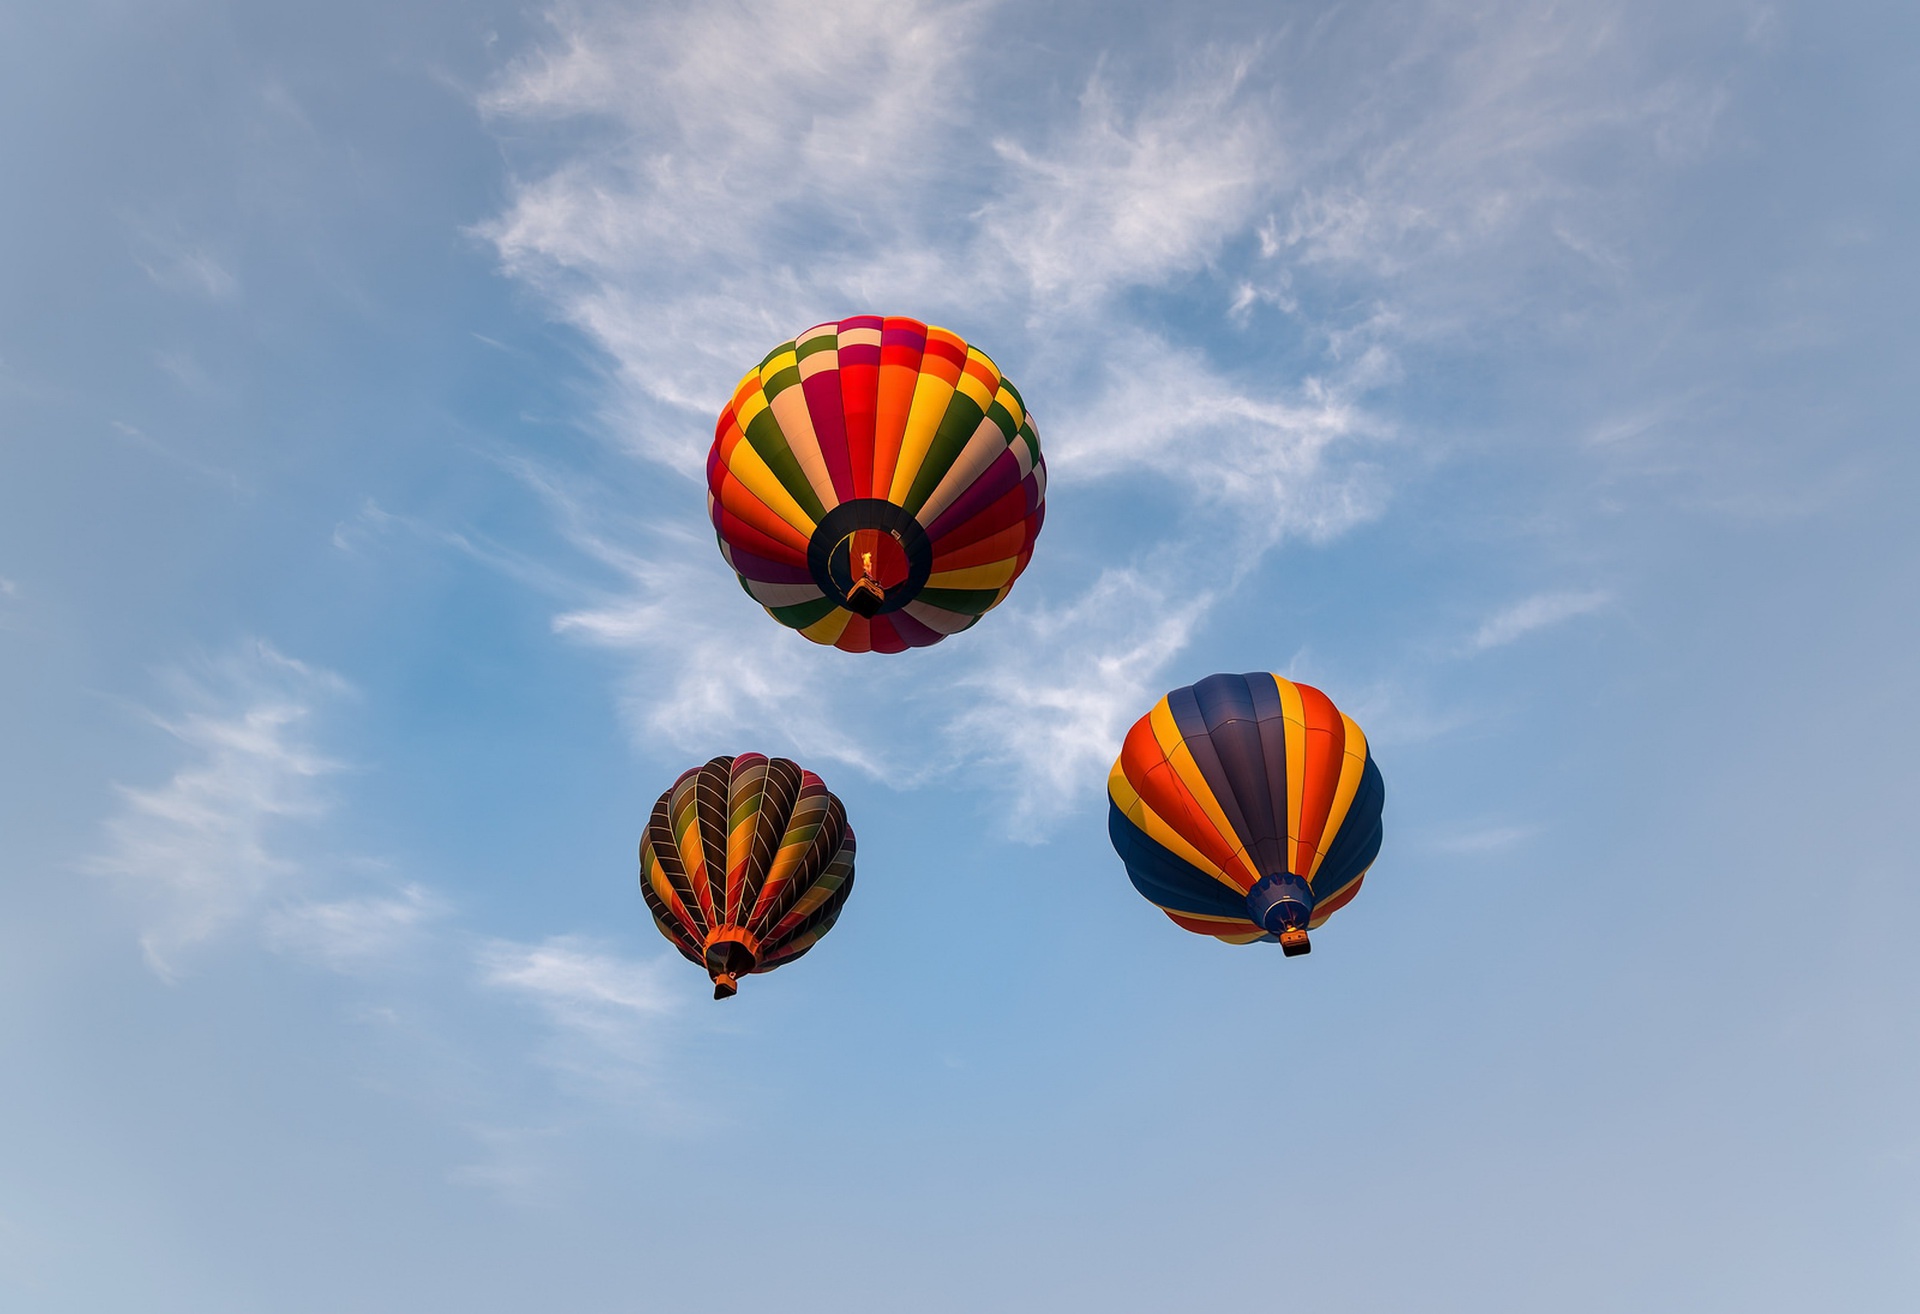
766, 438
1032, 440
801, 615
782, 349
949, 440
825, 342
775, 384
968, 602
1002, 417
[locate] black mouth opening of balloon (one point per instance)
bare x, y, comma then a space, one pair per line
727, 962
874, 572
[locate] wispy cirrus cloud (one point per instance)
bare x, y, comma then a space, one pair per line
604, 1010
1135, 190
685, 200
855, 174
1539, 612
201, 848
353, 934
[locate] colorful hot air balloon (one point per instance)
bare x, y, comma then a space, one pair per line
876, 484
1247, 807
746, 862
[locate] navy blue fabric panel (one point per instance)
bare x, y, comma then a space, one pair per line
1166, 879
1223, 697
1193, 730
1273, 747
1358, 842
1226, 701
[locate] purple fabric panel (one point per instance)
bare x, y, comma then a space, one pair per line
1003, 474
912, 631
830, 426
767, 572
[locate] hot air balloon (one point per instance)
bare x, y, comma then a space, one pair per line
876, 484
746, 862
1247, 807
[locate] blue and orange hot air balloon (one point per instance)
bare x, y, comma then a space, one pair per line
746, 862
1246, 807
876, 484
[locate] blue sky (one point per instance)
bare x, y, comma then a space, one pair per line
1535, 380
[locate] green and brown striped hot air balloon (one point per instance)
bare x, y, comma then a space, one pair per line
746, 862
876, 484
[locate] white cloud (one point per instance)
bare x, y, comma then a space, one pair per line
1057, 690
685, 200
1131, 196
353, 934
200, 849
1536, 613
1275, 463
179, 264
1486, 839
603, 1008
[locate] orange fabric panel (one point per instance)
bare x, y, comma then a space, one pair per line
1326, 740
1208, 925
899, 376
737, 498
1161, 789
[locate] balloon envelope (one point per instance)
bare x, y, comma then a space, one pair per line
1247, 807
746, 862
876, 484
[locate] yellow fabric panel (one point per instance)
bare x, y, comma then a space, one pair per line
1155, 827
977, 390
796, 426
1247, 937
740, 834
991, 576
1004, 395
746, 465
693, 854
930, 397
1352, 767
1296, 722
657, 878
829, 627
1180, 758
749, 400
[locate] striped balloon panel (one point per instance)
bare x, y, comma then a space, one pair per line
1235, 779
884, 411
749, 851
